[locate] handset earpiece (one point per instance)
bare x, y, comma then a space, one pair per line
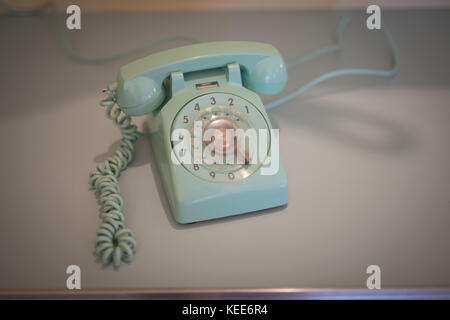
140, 95
269, 76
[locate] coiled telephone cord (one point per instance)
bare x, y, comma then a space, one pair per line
114, 242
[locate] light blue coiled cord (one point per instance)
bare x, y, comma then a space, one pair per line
114, 243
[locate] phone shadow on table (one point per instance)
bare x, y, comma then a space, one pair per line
368, 132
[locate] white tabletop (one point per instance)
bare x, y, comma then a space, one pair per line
367, 160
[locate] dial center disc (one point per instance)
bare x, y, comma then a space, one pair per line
221, 143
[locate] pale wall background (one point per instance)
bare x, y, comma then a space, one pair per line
225, 5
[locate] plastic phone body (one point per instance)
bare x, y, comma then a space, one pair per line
204, 83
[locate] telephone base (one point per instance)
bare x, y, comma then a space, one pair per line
255, 193
192, 199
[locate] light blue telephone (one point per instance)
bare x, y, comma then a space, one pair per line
213, 85
185, 90
216, 84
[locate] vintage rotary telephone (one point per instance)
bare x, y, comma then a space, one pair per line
213, 85
209, 85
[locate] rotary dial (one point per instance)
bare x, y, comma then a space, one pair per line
218, 155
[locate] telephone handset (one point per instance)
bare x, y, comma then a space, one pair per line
140, 83
198, 97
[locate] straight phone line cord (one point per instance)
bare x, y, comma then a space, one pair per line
341, 72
